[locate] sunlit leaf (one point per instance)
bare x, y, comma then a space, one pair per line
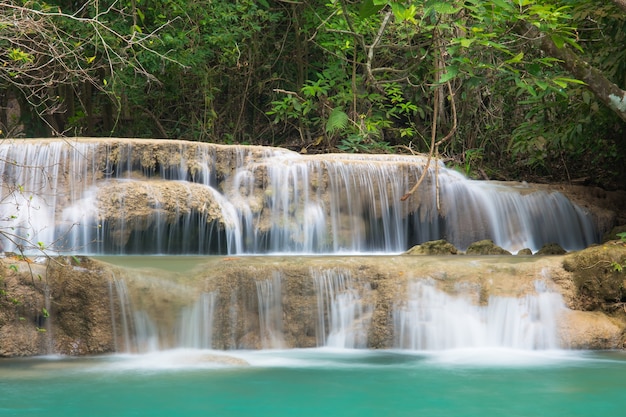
517, 58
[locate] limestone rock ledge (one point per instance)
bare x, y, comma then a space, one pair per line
64, 305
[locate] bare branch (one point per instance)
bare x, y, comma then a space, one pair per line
43, 54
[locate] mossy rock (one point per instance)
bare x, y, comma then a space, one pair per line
486, 247
551, 249
612, 235
525, 251
434, 247
599, 274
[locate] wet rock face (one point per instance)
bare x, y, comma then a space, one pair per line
59, 307
615, 233
592, 330
137, 207
20, 312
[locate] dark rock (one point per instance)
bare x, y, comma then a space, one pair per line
613, 234
551, 249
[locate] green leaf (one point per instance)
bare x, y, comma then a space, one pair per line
445, 8
450, 73
466, 43
370, 8
338, 120
503, 5
403, 13
517, 58
558, 40
570, 80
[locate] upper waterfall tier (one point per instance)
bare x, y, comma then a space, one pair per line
123, 196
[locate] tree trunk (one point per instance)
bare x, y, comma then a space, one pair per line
605, 90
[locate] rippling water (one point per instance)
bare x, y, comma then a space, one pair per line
318, 382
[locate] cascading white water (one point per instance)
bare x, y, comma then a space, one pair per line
120, 291
269, 293
430, 319
66, 194
195, 328
139, 333
343, 315
146, 333
86, 197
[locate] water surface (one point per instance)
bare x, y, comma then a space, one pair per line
318, 382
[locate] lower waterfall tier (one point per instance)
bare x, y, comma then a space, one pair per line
144, 304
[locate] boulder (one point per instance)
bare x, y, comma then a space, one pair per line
485, 247
598, 273
434, 247
551, 249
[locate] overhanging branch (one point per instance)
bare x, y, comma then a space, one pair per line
605, 90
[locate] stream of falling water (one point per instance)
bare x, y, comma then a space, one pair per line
196, 323
343, 315
269, 292
430, 319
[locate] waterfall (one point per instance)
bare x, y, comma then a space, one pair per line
139, 332
146, 333
269, 292
118, 196
364, 304
196, 323
429, 319
123, 306
343, 314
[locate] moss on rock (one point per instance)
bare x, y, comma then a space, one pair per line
598, 274
486, 247
551, 249
435, 247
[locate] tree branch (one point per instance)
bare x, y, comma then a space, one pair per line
605, 90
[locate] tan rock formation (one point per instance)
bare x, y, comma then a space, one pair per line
66, 307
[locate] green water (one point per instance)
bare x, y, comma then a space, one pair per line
318, 383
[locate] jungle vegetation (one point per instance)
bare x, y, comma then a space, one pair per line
500, 89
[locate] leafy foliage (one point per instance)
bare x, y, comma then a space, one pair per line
357, 76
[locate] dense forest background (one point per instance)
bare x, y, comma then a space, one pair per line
499, 89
